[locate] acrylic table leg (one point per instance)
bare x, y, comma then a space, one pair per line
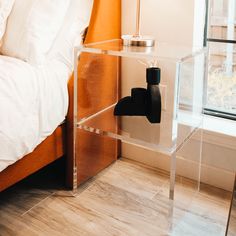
75, 183
172, 175
171, 216
200, 157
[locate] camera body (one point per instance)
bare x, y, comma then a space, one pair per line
143, 102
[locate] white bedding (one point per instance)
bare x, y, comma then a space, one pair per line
33, 102
34, 99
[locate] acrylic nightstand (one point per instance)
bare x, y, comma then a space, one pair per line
182, 88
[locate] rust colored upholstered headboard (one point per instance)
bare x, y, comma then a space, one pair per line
95, 153
105, 21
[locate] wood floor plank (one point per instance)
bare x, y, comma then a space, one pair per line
205, 210
127, 199
135, 178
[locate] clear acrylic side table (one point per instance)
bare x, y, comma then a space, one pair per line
182, 87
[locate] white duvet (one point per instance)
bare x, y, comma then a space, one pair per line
33, 102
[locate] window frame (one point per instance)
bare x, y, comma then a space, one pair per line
207, 110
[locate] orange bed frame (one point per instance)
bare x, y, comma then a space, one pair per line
105, 23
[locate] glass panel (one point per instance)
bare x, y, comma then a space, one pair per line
189, 157
221, 94
161, 51
192, 81
223, 19
95, 88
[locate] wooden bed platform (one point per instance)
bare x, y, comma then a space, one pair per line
105, 24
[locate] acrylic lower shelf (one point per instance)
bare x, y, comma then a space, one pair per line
167, 137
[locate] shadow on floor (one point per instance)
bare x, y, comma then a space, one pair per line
29, 192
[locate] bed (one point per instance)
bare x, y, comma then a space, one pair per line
104, 24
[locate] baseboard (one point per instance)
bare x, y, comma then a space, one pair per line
209, 175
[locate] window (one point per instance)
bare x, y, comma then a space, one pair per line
221, 87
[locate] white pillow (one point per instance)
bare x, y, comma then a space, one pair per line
76, 20
32, 27
5, 9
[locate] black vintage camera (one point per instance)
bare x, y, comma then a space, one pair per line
143, 102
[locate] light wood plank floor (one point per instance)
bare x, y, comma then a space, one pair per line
126, 199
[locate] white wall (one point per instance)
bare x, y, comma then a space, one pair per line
167, 20
174, 22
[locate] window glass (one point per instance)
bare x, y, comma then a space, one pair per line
221, 87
